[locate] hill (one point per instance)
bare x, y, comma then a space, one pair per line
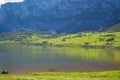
114, 28
83, 39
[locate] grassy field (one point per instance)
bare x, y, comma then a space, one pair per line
107, 75
83, 39
92, 39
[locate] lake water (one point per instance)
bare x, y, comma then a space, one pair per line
24, 59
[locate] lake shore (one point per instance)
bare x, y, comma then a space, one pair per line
87, 40
110, 40
105, 75
56, 46
60, 68
28, 58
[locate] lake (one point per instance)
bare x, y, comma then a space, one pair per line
25, 59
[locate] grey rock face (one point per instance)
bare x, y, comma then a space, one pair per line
60, 15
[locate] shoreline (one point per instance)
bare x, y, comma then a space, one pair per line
104, 75
61, 67
59, 46
101, 40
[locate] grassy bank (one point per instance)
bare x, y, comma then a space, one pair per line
107, 75
83, 39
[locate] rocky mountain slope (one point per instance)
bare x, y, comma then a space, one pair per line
61, 15
115, 28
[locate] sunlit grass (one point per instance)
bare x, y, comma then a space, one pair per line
107, 75
83, 39
108, 39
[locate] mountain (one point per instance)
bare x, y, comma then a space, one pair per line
114, 28
68, 16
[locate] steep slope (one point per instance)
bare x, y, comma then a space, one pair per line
114, 28
60, 15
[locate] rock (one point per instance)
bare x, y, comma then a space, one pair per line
5, 72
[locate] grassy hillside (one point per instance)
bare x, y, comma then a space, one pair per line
83, 39
107, 75
86, 39
114, 28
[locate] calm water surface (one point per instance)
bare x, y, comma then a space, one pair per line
24, 59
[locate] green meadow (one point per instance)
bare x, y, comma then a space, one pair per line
83, 39
106, 75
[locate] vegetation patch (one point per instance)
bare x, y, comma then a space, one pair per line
83, 39
106, 75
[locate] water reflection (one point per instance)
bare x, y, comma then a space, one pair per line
31, 58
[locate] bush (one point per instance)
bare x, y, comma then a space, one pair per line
87, 43
110, 39
44, 42
64, 39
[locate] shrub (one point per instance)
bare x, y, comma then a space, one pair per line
87, 43
110, 39
64, 39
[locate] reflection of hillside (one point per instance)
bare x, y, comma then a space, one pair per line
100, 55
65, 54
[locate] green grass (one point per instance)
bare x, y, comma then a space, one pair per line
107, 75
97, 39
83, 39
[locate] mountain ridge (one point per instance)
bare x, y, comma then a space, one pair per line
60, 15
